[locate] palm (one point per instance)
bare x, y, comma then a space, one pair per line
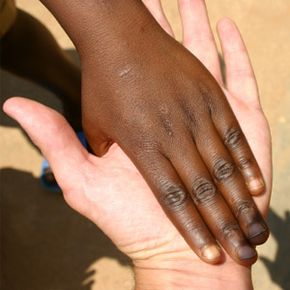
122, 204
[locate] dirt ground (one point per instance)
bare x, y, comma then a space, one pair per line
46, 246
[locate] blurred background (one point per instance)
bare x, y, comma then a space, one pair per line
46, 245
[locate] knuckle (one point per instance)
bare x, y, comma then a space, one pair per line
205, 92
244, 208
191, 227
229, 230
190, 114
174, 197
208, 97
165, 119
196, 230
233, 138
167, 124
203, 191
145, 146
244, 162
223, 170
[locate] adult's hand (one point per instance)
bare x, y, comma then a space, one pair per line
144, 91
111, 192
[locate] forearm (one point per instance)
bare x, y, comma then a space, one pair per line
97, 21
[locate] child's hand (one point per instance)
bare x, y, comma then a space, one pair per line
111, 192
154, 99
163, 108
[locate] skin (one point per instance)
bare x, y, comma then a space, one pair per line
162, 258
146, 92
100, 188
175, 186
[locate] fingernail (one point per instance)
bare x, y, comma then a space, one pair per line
255, 229
257, 233
256, 185
246, 252
211, 252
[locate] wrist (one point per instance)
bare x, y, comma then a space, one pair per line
190, 275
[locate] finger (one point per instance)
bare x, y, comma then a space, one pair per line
155, 8
231, 184
236, 143
52, 134
240, 78
211, 204
177, 204
197, 34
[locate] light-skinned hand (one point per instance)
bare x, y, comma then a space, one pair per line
112, 193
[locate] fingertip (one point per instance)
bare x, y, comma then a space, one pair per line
212, 254
9, 105
17, 105
228, 32
261, 237
247, 255
5, 107
226, 24
256, 186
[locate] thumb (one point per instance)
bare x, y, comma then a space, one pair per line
53, 135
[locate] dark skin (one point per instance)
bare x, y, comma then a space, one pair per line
166, 111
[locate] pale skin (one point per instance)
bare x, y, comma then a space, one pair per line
112, 193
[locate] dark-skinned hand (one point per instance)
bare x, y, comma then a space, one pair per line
166, 111
146, 92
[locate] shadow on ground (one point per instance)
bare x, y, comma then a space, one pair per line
45, 244
279, 269
11, 85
